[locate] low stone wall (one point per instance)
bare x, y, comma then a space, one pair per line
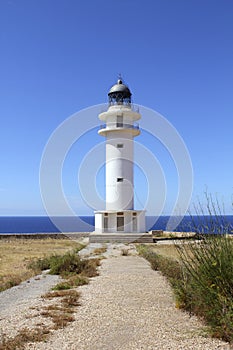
71, 235
171, 234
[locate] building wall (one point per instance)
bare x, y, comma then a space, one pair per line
98, 223
128, 221
119, 172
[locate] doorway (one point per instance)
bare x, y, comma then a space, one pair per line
120, 223
135, 224
105, 224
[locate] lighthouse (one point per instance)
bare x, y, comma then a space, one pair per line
119, 127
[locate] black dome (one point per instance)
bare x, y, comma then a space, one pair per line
120, 87
119, 93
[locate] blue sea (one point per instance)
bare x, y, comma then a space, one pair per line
44, 224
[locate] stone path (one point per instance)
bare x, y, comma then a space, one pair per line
129, 307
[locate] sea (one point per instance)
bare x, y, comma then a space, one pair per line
45, 224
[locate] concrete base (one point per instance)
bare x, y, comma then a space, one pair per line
120, 238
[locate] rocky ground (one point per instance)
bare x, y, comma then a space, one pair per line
128, 306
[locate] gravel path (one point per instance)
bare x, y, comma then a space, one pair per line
129, 307
19, 305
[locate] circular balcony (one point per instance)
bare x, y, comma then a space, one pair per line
119, 127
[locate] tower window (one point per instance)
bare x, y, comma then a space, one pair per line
120, 179
120, 145
119, 121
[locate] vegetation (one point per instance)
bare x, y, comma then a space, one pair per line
17, 254
70, 267
202, 280
206, 288
99, 251
60, 313
124, 252
170, 267
24, 336
75, 271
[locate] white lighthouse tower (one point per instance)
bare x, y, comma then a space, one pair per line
119, 127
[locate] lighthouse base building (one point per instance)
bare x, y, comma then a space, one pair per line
128, 221
119, 127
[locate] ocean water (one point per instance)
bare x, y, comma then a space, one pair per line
43, 224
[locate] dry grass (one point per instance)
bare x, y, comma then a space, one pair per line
24, 336
15, 254
124, 252
167, 250
99, 251
60, 313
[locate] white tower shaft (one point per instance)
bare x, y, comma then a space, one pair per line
119, 172
119, 130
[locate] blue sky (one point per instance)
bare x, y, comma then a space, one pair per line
58, 57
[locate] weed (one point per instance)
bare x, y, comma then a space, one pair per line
62, 286
202, 280
17, 254
67, 264
124, 252
76, 272
207, 284
78, 280
99, 251
24, 336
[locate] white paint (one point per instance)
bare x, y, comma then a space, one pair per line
119, 161
112, 221
120, 128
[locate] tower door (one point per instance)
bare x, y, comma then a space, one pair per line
120, 223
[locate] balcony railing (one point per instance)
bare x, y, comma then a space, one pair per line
119, 125
133, 107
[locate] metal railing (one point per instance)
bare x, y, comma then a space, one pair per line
119, 125
132, 106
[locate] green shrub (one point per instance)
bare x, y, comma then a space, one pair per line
207, 284
78, 280
40, 264
64, 264
62, 286
70, 266
169, 267
71, 282
67, 263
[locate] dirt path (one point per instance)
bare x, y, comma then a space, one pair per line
129, 307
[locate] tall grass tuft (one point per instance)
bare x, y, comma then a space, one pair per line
202, 280
169, 267
206, 287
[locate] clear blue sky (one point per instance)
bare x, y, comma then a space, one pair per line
60, 56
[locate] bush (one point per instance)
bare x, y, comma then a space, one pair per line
70, 266
202, 281
70, 262
206, 288
169, 267
73, 281
67, 263
40, 264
